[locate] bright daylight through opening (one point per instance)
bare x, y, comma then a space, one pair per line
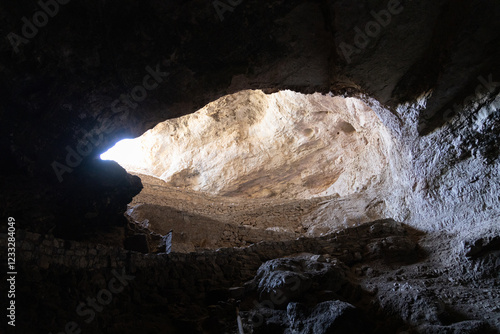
125, 152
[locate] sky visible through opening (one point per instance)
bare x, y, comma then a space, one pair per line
126, 151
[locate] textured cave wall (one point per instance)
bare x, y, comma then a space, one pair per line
447, 180
451, 179
255, 145
421, 67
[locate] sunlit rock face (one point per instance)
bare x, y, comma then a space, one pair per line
251, 144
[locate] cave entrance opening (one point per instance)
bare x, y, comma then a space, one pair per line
252, 166
126, 151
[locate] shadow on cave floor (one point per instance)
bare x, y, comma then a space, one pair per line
229, 257
379, 277
373, 278
198, 221
397, 278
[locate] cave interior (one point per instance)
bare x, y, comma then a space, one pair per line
233, 166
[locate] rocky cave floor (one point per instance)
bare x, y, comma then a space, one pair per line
253, 258
377, 277
381, 277
202, 221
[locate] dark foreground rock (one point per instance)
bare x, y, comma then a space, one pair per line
332, 284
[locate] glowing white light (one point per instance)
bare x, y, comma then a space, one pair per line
127, 152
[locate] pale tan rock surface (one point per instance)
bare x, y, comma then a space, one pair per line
359, 163
253, 145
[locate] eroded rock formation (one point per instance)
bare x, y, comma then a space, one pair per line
284, 145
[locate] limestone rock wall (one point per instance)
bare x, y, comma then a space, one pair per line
254, 145
250, 144
448, 179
